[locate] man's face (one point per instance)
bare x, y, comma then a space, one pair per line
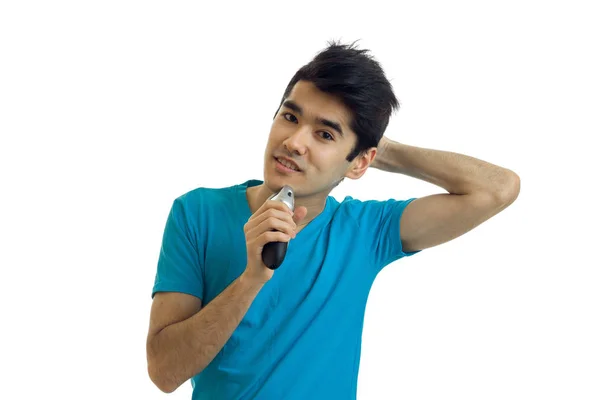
312, 130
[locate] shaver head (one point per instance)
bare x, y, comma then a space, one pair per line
285, 195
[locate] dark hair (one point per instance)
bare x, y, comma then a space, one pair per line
359, 82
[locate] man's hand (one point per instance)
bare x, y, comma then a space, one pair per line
272, 222
378, 161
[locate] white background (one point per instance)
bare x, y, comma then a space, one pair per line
109, 110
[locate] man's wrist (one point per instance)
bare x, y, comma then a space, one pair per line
250, 283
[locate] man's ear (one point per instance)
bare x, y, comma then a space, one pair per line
361, 163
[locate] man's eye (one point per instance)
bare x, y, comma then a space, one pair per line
289, 117
327, 135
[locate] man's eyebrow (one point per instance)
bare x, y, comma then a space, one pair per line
323, 121
293, 106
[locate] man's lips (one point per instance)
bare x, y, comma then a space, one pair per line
292, 162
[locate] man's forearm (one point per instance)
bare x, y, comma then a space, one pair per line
184, 349
457, 173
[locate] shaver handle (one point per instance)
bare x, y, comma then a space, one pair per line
273, 254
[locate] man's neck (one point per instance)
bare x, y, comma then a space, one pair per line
257, 195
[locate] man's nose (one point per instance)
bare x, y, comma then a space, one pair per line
298, 141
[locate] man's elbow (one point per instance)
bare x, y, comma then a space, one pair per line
160, 379
510, 189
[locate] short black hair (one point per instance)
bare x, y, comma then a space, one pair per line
358, 80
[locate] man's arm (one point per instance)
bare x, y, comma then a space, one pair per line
183, 338
477, 190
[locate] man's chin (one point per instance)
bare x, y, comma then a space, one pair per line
275, 181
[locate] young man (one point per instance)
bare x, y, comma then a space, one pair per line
240, 330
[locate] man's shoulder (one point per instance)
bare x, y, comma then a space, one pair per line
367, 211
212, 194
348, 210
355, 206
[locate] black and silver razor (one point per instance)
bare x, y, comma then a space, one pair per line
274, 252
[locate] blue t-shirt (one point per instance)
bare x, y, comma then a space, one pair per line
301, 337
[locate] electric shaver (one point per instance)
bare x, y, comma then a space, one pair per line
274, 252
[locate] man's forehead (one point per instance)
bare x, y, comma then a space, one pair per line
316, 103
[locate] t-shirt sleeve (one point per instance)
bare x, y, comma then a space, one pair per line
180, 267
381, 221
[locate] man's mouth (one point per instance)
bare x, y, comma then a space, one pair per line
288, 165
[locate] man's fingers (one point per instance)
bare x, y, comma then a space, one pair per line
278, 205
299, 214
